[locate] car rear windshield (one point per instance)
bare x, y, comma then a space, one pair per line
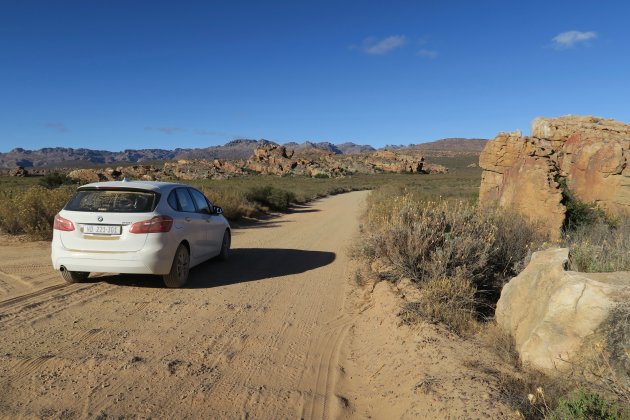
113, 200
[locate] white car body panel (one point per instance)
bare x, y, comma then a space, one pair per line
143, 253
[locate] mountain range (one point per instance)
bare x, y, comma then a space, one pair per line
236, 149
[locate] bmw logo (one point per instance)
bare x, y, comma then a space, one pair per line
100, 218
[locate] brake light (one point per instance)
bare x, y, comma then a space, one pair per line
63, 224
155, 225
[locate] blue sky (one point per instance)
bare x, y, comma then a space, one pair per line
115, 75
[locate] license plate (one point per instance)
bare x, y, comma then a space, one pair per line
102, 229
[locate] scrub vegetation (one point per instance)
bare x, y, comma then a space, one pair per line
459, 257
29, 204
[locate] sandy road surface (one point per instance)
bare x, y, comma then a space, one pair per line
258, 336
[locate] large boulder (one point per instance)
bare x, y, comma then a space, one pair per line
19, 172
590, 154
86, 176
562, 319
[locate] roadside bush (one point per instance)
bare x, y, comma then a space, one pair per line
430, 240
600, 247
32, 211
271, 197
233, 203
459, 256
425, 240
585, 405
54, 180
321, 176
451, 302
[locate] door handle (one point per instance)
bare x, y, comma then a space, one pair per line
187, 219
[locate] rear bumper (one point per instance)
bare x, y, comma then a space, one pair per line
149, 260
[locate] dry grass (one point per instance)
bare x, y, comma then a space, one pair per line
587, 391
233, 203
31, 211
600, 247
446, 244
451, 302
425, 240
24, 209
531, 393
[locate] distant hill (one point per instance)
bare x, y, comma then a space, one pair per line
232, 150
453, 145
337, 149
235, 149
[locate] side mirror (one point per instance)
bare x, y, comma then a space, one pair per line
218, 210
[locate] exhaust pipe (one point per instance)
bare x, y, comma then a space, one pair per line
62, 268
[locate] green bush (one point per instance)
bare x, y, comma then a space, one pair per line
321, 176
54, 180
271, 197
578, 213
584, 405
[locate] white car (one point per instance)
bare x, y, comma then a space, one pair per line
139, 227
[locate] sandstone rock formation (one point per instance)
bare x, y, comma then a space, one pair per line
19, 172
269, 159
560, 319
591, 154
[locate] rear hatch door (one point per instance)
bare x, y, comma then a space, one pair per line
102, 218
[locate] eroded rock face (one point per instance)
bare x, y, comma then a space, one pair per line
591, 154
561, 318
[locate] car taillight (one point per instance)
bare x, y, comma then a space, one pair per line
155, 225
63, 224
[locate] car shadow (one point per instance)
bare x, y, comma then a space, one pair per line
244, 265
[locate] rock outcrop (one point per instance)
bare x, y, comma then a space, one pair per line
560, 319
19, 172
269, 159
590, 154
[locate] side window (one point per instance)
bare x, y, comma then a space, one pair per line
200, 200
172, 201
185, 201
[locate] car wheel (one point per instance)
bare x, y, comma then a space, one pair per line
74, 276
178, 275
225, 246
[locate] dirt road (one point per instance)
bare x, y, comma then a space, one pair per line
258, 336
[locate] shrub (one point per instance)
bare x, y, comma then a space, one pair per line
446, 247
32, 211
321, 176
578, 213
54, 180
429, 240
585, 405
271, 197
516, 238
233, 202
447, 301
600, 247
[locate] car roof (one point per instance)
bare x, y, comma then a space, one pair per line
142, 185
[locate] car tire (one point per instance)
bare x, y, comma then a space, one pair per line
74, 276
178, 275
225, 246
